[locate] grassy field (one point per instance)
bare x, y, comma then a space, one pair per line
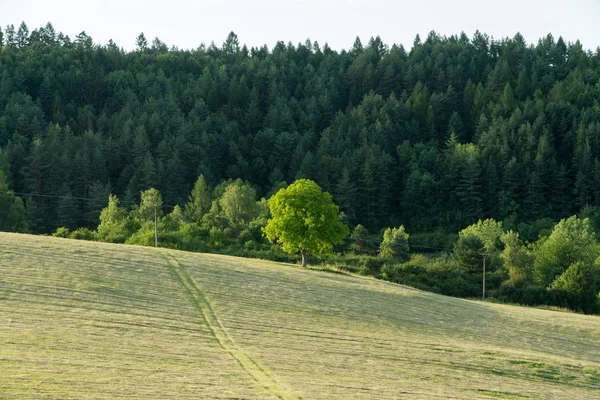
97, 321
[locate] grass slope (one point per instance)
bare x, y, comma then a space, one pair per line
91, 320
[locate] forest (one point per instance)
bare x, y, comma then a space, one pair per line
434, 138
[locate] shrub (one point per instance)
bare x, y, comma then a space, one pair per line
468, 251
62, 232
360, 239
83, 234
488, 231
432, 242
217, 236
517, 260
571, 240
395, 244
520, 293
577, 287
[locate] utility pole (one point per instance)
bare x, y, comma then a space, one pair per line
155, 226
484, 257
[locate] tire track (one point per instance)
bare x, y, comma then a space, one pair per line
250, 366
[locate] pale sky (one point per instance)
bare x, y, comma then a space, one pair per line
186, 24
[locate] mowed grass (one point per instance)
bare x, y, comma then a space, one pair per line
87, 320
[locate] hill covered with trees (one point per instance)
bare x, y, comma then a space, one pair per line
435, 137
497, 140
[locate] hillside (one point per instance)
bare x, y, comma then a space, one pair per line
435, 137
90, 320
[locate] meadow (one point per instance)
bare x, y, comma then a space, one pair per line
88, 320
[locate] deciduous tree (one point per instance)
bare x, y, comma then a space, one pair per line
304, 219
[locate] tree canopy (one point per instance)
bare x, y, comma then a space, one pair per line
434, 137
304, 219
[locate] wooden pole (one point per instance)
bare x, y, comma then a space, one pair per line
155, 228
484, 277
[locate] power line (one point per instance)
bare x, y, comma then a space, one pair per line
430, 247
67, 197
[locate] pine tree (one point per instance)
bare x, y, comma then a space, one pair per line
18, 216
7, 199
456, 128
345, 194
98, 194
10, 36
367, 192
22, 35
35, 216
199, 201
468, 189
561, 198
509, 194
148, 176
584, 168
141, 42
67, 210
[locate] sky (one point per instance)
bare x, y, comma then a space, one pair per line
187, 24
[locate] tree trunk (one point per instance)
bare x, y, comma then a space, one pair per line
303, 258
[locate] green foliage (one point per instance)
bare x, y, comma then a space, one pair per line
360, 235
150, 205
83, 234
115, 224
144, 236
12, 209
238, 203
17, 216
98, 195
517, 259
432, 242
66, 216
472, 135
199, 201
469, 251
488, 231
442, 275
577, 287
62, 232
572, 240
484, 127
395, 244
304, 219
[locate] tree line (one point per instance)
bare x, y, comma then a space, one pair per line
560, 268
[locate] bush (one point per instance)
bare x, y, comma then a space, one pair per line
432, 242
441, 275
61, 232
360, 238
468, 251
517, 259
217, 236
144, 236
83, 234
577, 287
535, 230
395, 244
571, 240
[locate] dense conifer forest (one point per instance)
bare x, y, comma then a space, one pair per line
434, 138
437, 136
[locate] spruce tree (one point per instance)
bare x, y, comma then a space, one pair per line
67, 210
345, 194
199, 201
